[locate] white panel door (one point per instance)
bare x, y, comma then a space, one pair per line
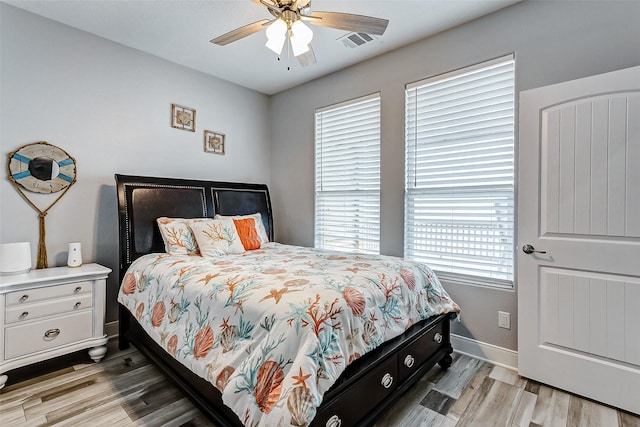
579, 202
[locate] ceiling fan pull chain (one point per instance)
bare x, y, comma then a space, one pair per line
289, 53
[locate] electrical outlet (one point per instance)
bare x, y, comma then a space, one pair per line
504, 319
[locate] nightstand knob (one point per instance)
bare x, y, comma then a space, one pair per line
24, 297
409, 361
51, 334
334, 421
437, 337
77, 290
77, 305
24, 314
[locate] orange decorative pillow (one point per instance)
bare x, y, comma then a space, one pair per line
262, 232
248, 234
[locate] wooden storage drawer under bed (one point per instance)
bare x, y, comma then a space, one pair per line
380, 382
411, 357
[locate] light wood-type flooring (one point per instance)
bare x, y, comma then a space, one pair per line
126, 390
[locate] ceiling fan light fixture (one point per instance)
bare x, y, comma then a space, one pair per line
276, 44
276, 35
300, 37
297, 47
302, 32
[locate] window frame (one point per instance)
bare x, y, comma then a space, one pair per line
320, 163
458, 277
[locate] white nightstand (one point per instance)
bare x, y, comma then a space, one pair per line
50, 312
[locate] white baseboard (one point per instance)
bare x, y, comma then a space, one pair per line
484, 351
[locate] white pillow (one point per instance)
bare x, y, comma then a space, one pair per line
262, 232
177, 236
217, 237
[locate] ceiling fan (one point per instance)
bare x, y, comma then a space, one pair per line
288, 24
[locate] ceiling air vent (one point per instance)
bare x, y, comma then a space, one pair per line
354, 40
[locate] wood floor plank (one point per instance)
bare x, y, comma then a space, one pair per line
551, 406
525, 409
13, 415
168, 414
456, 379
420, 416
585, 413
448, 422
627, 420
469, 392
24, 390
104, 415
495, 402
507, 376
438, 402
91, 396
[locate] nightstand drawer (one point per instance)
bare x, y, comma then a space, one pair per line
26, 312
39, 294
47, 334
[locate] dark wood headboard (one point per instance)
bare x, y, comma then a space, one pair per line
143, 199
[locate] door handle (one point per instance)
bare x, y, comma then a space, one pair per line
528, 249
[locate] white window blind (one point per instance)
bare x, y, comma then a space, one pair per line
347, 190
459, 195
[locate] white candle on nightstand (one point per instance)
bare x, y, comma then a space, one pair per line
75, 254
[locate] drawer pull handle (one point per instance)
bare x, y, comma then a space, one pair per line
24, 314
409, 361
437, 337
334, 421
51, 334
77, 305
77, 290
387, 380
24, 297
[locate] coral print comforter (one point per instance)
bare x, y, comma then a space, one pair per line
273, 328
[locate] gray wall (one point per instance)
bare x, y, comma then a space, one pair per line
109, 106
552, 41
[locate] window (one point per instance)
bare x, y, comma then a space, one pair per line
459, 165
347, 211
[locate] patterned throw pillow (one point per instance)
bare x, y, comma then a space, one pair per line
177, 236
217, 237
246, 229
262, 232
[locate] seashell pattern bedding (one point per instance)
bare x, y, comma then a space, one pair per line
274, 328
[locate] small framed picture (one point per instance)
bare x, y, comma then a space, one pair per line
213, 142
183, 117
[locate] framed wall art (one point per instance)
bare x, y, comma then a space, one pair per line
213, 142
183, 117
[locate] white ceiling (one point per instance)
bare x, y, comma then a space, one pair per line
180, 30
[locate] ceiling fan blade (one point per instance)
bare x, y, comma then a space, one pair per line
307, 58
350, 22
239, 33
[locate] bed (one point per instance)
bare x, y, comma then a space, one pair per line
358, 394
